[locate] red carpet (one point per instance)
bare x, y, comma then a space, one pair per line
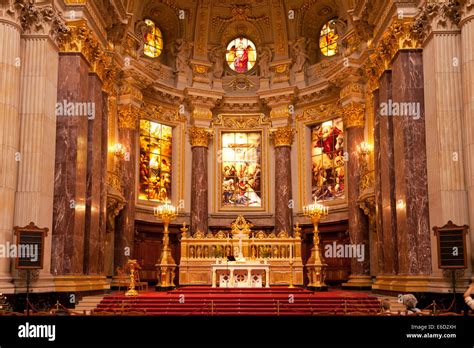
194, 300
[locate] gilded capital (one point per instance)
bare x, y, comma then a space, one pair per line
283, 136
128, 116
280, 112
199, 136
354, 115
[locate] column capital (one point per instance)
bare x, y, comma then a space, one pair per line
353, 115
199, 136
128, 116
283, 136
467, 11
436, 17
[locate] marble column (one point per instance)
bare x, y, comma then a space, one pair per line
125, 228
96, 185
448, 199
354, 122
378, 188
283, 139
9, 136
70, 166
467, 45
411, 191
35, 190
199, 139
385, 164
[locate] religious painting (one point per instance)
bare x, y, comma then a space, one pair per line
241, 55
155, 161
328, 39
241, 177
153, 40
327, 157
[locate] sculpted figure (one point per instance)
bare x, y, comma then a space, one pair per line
265, 57
299, 54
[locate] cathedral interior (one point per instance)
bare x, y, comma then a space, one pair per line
320, 144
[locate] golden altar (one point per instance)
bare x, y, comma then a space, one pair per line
281, 252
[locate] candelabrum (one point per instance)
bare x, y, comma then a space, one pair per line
133, 266
167, 265
316, 267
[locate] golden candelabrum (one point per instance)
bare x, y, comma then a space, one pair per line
316, 267
133, 266
167, 265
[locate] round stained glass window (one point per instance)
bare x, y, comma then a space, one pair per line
241, 55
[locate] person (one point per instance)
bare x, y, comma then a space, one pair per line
410, 302
299, 54
467, 296
264, 62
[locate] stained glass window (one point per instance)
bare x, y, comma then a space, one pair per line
327, 154
241, 169
153, 40
241, 55
328, 39
155, 161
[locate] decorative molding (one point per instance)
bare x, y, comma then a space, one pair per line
240, 122
319, 113
283, 136
162, 113
282, 111
201, 113
199, 136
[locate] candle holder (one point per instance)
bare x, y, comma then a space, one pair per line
315, 265
167, 265
133, 266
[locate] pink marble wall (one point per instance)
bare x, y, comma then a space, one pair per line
386, 178
70, 170
411, 190
96, 174
199, 190
358, 222
283, 212
125, 227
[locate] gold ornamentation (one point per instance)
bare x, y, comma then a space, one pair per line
322, 112
199, 235
241, 122
354, 115
241, 83
184, 231
128, 117
202, 113
297, 230
282, 235
241, 226
80, 39
283, 136
280, 112
113, 180
436, 15
134, 266
281, 72
199, 136
350, 89
115, 203
163, 113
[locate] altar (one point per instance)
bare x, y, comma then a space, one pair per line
240, 274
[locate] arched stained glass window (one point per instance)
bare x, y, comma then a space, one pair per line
328, 39
241, 55
153, 40
155, 161
327, 157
